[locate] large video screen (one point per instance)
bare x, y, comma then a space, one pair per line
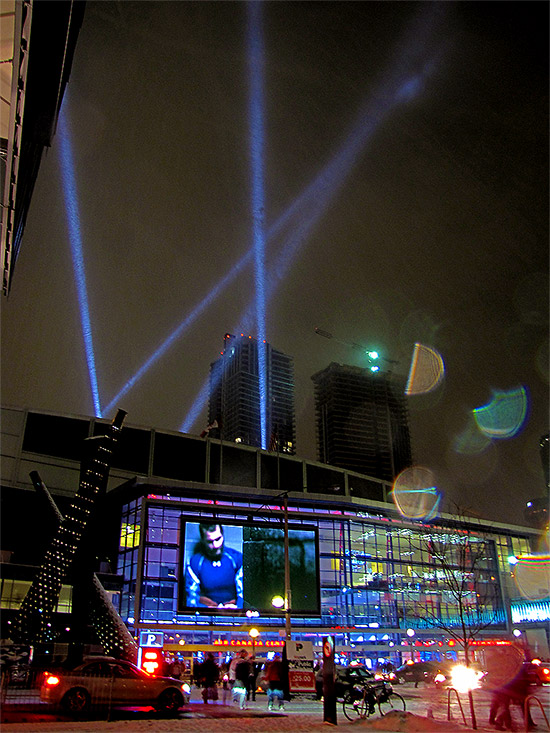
234, 567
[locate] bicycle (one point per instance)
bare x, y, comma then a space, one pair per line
362, 700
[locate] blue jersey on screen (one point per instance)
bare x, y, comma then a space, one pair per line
221, 580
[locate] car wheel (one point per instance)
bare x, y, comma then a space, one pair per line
169, 701
76, 701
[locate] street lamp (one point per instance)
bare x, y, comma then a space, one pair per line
410, 634
253, 633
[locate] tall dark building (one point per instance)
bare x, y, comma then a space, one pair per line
362, 421
544, 444
537, 509
235, 395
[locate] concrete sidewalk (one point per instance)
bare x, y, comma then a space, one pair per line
426, 710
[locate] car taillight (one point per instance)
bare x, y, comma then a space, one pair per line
185, 687
51, 680
545, 671
439, 677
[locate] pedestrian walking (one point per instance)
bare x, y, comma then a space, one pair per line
240, 686
274, 677
210, 674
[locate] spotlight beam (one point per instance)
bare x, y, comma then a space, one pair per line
256, 125
180, 330
396, 90
75, 238
405, 88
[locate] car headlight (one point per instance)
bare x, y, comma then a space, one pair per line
185, 687
439, 677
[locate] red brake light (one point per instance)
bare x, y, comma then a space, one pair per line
545, 671
52, 680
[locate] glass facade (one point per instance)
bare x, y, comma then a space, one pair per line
375, 573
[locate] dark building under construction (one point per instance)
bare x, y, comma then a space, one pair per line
362, 421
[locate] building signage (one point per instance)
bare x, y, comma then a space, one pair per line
247, 642
301, 677
151, 639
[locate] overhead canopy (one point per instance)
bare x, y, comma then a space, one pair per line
37, 43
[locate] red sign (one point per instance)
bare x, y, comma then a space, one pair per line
301, 680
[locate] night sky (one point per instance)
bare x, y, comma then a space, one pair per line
411, 140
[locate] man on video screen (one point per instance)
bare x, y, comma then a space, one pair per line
214, 573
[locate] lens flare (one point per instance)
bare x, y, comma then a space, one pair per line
426, 372
532, 576
415, 494
505, 415
471, 441
502, 665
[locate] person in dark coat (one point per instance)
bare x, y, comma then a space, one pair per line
210, 674
240, 686
519, 689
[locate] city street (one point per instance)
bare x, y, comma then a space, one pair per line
426, 711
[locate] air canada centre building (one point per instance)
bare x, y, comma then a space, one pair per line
358, 570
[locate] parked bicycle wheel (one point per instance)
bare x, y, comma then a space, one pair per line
353, 707
390, 702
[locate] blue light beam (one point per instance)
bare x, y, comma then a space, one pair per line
75, 237
198, 405
256, 131
404, 91
396, 89
179, 331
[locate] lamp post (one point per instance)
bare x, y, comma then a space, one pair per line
288, 603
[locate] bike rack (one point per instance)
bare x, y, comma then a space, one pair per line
527, 707
452, 689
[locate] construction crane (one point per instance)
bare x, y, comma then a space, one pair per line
370, 354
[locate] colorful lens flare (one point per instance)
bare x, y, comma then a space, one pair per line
426, 372
471, 441
532, 576
415, 494
505, 415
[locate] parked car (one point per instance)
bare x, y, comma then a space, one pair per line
345, 679
105, 681
387, 675
538, 672
422, 671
